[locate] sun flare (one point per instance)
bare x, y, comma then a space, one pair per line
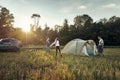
26, 29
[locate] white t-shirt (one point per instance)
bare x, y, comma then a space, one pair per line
56, 42
101, 42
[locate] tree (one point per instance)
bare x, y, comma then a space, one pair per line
64, 32
104, 20
35, 29
65, 29
113, 19
6, 23
77, 21
86, 18
46, 30
18, 34
112, 31
81, 20
36, 20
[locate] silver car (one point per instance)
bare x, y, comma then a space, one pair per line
10, 44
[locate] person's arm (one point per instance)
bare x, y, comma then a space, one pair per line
102, 43
53, 43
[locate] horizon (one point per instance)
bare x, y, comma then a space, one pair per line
55, 11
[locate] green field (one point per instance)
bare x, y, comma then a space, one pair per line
37, 65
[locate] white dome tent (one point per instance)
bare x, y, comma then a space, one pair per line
80, 47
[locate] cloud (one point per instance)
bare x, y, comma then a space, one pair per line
82, 7
110, 5
66, 10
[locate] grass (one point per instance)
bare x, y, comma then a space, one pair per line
38, 65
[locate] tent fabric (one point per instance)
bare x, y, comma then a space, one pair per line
80, 47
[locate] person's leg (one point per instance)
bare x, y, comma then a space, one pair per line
48, 49
59, 50
101, 50
56, 50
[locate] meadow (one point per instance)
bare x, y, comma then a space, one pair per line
39, 65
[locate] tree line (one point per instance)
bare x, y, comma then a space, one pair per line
84, 28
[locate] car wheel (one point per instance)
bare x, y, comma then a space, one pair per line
16, 49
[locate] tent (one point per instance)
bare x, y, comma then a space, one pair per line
80, 47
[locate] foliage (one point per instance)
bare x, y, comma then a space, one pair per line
6, 23
31, 66
106, 67
83, 27
38, 65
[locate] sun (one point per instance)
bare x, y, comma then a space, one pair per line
23, 22
26, 29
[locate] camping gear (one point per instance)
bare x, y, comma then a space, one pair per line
80, 47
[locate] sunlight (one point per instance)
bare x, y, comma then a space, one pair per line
26, 29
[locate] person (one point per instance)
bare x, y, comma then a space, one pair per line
48, 45
1, 40
100, 45
57, 46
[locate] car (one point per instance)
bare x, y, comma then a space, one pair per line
10, 44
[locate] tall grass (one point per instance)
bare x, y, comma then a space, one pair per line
38, 65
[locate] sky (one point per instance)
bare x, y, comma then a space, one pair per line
54, 12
